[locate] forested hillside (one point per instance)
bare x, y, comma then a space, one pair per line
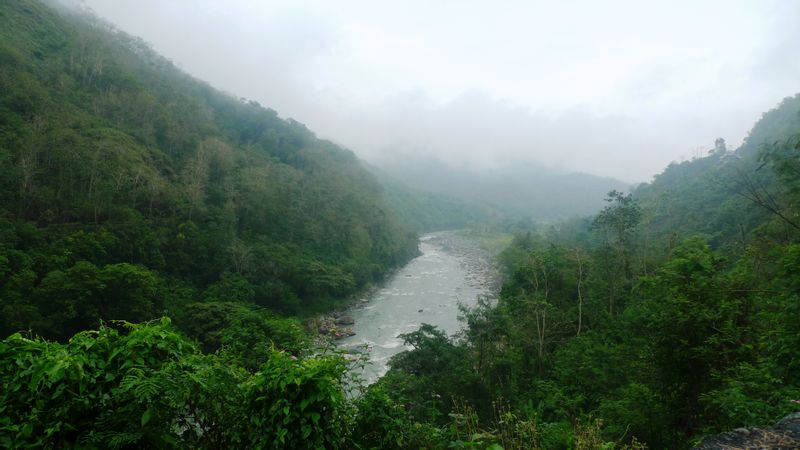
129, 190
727, 194
427, 211
522, 191
132, 192
671, 314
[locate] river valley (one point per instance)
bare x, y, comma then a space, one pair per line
451, 270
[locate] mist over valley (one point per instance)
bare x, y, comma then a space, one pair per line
374, 225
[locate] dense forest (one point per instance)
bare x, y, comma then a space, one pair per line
671, 314
131, 190
427, 211
161, 241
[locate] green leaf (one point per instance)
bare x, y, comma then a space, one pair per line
146, 417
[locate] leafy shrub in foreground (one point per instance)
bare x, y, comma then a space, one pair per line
145, 386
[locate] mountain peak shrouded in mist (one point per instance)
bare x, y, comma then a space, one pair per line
618, 89
527, 190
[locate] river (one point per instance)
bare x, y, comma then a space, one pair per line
451, 269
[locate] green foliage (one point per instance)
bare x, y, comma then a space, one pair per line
750, 396
429, 378
122, 177
145, 386
251, 335
297, 401
382, 423
102, 389
247, 332
129, 189
619, 218
82, 295
669, 315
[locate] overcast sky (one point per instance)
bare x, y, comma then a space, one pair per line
616, 88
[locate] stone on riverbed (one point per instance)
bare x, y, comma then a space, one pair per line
345, 320
341, 334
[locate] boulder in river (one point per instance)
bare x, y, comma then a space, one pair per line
320, 324
345, 320
341, 334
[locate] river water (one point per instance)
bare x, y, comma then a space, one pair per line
452, 269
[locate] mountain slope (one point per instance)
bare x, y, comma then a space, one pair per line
526, 191
110, 155
670, 315
714, 195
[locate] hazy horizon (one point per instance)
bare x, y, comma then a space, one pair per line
617, 90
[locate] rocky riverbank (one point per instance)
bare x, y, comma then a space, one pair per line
784, 435
479, 264
475, 265
337, 325
481, 275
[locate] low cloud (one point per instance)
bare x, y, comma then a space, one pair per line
618, 89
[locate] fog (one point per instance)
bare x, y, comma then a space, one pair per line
615, 89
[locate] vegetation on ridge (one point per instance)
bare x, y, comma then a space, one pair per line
130, 191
